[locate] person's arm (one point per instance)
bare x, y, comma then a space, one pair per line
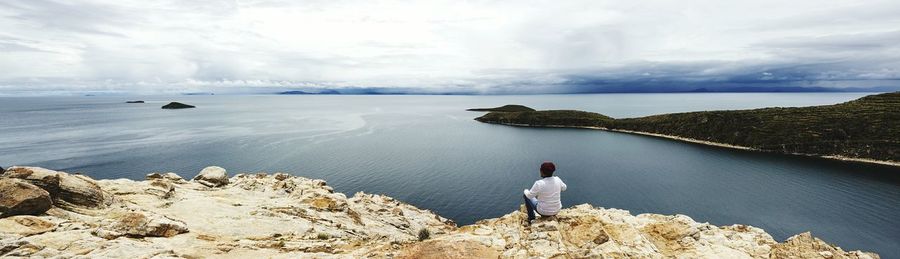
534, 190
562, 185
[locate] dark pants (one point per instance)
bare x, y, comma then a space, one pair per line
530, 206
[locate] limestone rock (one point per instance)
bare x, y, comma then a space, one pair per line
25, 225
19, 197
282, 216
170, 176
161, 188
212, 176
805, 245
141, 224
460, 249
67, 191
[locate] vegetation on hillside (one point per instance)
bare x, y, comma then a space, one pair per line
867, 128
504, 108
549, 118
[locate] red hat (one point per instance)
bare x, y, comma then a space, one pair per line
548, 168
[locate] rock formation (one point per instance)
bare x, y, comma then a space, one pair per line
67, 191
212, 176
259, 215
18, 197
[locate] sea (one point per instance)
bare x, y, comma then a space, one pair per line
428, 151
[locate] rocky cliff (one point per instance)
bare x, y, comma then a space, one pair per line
45, 213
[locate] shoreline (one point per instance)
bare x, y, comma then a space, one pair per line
707, 143
280, 215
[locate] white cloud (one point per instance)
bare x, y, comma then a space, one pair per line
166, 45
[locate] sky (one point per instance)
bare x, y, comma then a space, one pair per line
160, 46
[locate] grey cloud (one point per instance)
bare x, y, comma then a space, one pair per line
481, 46
68, 16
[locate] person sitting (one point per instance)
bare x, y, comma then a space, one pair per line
544, 195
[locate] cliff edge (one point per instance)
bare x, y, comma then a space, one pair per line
46, 213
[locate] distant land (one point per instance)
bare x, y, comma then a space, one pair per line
177, 105
325, 91
578, 89
866, 129
504, 108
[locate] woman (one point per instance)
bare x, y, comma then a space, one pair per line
544, 194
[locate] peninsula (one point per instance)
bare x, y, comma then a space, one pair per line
504, 108
46, 213
865, 130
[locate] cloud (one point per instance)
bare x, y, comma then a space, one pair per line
480, 46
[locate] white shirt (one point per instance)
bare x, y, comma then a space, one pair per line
547, 191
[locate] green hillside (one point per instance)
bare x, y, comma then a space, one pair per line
504, 108
867, 128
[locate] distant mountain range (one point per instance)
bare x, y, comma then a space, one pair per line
581, 90
295, 92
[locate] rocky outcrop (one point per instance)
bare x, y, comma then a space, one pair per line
66, 190
584, 231
18, 197
139, 224
212, 176
170, 176
257, 215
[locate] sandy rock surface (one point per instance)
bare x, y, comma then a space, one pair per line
19, 197
278, 215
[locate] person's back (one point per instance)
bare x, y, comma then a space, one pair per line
544, 195
547, 193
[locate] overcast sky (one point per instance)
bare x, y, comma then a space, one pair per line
151, 46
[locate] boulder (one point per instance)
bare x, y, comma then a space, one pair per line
161, 188
67, 191
19, 197
141, 224
170, 176
212, 176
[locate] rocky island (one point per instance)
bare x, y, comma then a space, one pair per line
46, 213
866, 129
504, 108
177, 105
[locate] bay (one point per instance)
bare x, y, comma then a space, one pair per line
427, 151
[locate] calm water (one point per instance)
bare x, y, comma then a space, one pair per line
426, 150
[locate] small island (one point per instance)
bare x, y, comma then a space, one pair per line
134, 101
504, 108
295, 92
177, 105
866, 129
